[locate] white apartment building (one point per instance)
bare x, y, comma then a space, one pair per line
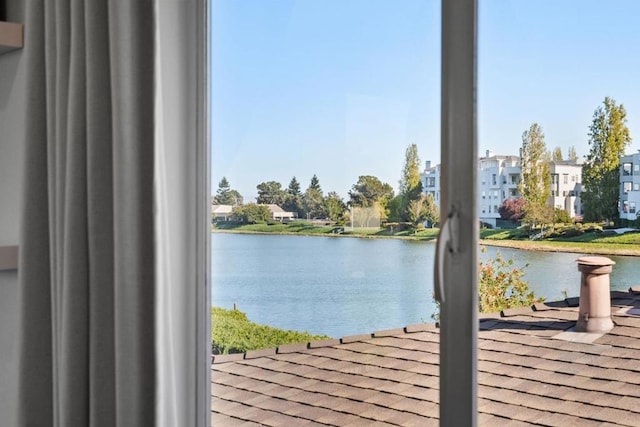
629, 186
566, 186
498, 178
431, 181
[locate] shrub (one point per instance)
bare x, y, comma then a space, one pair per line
251, 213
560, 216
500, 286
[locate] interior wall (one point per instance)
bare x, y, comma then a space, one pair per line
12, 120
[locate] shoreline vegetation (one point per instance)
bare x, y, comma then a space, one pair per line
233, 332
573, 239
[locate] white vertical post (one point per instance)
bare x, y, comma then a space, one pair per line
458, 311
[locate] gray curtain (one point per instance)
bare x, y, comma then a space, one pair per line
87, 243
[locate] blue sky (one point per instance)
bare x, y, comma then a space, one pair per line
340, 88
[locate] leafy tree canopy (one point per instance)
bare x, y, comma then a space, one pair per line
251, 213
535, 185
270, 192
512, 209
334, 206
369, 190
314, 203
608, 138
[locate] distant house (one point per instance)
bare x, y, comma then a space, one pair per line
279, 214
221, 212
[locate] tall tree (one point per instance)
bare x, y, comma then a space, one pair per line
557, 154
270, 192
334, 206
410, 184
314, 199
608, 138
315, 183
572, 154
293, 198
535, 185
223, 195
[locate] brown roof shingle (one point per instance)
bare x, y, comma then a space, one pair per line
527, 373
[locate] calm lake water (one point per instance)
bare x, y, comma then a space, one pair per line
346, 286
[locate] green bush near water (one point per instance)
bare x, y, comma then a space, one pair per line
233, 332
501, 286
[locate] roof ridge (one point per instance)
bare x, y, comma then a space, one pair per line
633, 291
296, 347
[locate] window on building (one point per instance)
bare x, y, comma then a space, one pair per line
565, 178
632, 207
627, 169
626, 187
493, 179
483, 195
625, 206
512, 192
495, 208
554, 178
636, 187
636, 169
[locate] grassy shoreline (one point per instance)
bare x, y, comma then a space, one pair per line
571, 247
595, 244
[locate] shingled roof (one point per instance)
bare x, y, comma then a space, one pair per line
532, 369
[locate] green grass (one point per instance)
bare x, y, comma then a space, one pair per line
581, 238
232, 332
497, 234
631, 238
